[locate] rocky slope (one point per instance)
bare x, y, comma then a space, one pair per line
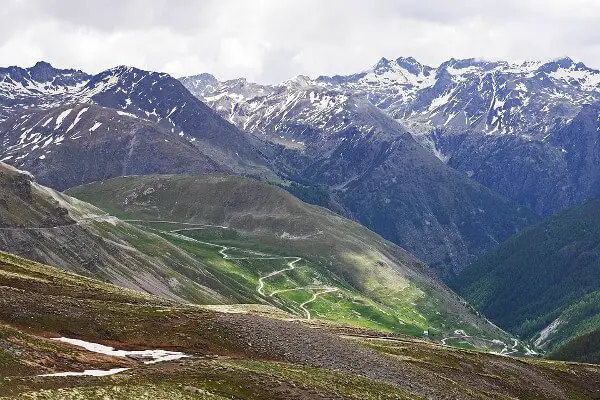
68, 127
241, 355
44, 225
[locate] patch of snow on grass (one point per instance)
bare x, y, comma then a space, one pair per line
150, 356
90, 372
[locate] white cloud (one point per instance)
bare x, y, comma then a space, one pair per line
272, 40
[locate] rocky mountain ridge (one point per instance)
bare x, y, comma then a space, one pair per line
121, 121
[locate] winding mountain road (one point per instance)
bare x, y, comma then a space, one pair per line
261, 281
320, 290
314, 297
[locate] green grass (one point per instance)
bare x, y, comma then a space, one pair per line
350, 386
462, 344
147, 391
380, 285
240, 379
407, 310
347, 306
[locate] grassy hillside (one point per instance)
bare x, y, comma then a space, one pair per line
301, 259
234, 354
544, 277
251, 230
41, 224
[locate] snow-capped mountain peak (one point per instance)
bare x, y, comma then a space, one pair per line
298, 80
497, 97
402, 71
41, 86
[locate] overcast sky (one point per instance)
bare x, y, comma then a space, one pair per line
272, 40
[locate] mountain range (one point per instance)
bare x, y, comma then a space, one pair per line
71, 128
513, 127
194, 190
360, 137
68, 127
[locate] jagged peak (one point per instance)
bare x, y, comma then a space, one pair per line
205, 76
241, 80
566, 60
382, 65
43, 64
122, 69
408, 64
125, 73
562, 62
43, 72
461, 63
413, 66
409, 59
44, 67
300, 80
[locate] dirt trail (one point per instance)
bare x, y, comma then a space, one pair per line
314, 297
261, 281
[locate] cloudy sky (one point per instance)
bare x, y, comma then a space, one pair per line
272, 40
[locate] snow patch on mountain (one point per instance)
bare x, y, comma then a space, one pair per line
492, 97
61, 117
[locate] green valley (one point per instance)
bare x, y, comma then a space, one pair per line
543, 283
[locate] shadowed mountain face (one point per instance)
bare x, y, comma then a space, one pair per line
372, 168
547, 175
